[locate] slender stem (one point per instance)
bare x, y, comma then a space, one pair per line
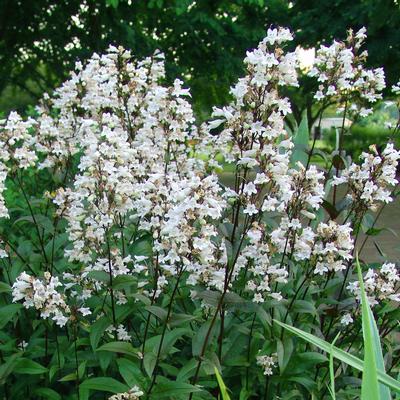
153, 297
266, 387
111, 283
292, 301
340, 149
33, 218
221, 333
13, 248
76, 360
169, 312
121, 223
214, 318
58, 355
249, 351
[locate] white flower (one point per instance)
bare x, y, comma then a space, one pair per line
346, 319
379, 284
43, 295
250, 209
267, 363
250, 189
133, 394
122, 334
84, 311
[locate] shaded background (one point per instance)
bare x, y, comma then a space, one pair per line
204, 41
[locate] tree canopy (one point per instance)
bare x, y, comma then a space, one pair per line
204, 41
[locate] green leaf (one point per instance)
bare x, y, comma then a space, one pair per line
104, 384
304, 307
68, 378
210, 297
312, 357
47, 393
30, 367
97, 331
101, 276
112, 3
373, 358
82, 369
331, 369
187, 370
119, 347
179, 319
131, 372
149, 363
221, 384
340, 354
122, 281
8, 367
52, 371
170, 339
308, 383
5, 288
105, 358
142, 247
199, 338
7, 313
300, 141
244, 394
284, 351
167, 388
159, 312
38, 219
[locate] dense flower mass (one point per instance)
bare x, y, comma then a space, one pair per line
141, 234
43, 295
379, 284
340, 72
267, 363
134, 394
369, 182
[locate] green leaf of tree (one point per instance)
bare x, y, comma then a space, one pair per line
119, 347
7, 313
166, 388
104, 384
30, 367
97, 331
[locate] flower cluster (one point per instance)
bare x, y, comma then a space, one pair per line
135, 171
267, 363
16, 150
379, 284
133, 394
333, 247
120, 331
253, 138
42, 294
256, 256
368, 183
340, 72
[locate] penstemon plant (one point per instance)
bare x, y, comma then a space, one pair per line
132, 268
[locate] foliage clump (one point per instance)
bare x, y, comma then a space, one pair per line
143, 267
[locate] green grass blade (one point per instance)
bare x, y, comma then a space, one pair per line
332, 370
372, 348
340, 355
369, 386
222, 387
